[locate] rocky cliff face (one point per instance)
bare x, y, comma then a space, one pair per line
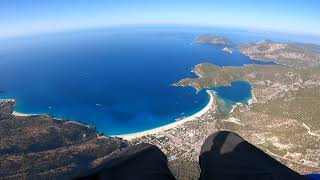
42, 147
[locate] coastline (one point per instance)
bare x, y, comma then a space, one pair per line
16, 113
20, 114
171, 125
131, 136
157, 130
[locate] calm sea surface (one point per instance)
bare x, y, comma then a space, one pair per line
118, 80
238, 92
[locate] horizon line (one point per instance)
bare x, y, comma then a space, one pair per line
142, 25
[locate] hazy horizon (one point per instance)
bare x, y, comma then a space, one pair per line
23, 19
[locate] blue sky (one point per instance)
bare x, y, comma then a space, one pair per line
24, 17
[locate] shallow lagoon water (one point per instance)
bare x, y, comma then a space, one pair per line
118, 81
237, 92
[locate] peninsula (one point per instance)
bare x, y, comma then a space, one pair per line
42, 147
290, 54
281, 118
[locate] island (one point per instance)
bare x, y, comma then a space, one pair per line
228, 50
213, 39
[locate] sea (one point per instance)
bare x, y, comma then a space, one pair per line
118, 79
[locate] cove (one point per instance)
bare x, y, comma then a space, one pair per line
118, 80
237, 92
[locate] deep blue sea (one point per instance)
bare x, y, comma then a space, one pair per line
117, 79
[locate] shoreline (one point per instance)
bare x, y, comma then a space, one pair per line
156, 130
16, 113
19, 114
171, 125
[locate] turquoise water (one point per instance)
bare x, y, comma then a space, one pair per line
237, 92
118, 80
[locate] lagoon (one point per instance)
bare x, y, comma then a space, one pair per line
237, 92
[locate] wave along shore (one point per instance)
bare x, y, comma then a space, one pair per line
174, 124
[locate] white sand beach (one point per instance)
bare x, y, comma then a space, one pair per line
174, 124
150, 131
15, 113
